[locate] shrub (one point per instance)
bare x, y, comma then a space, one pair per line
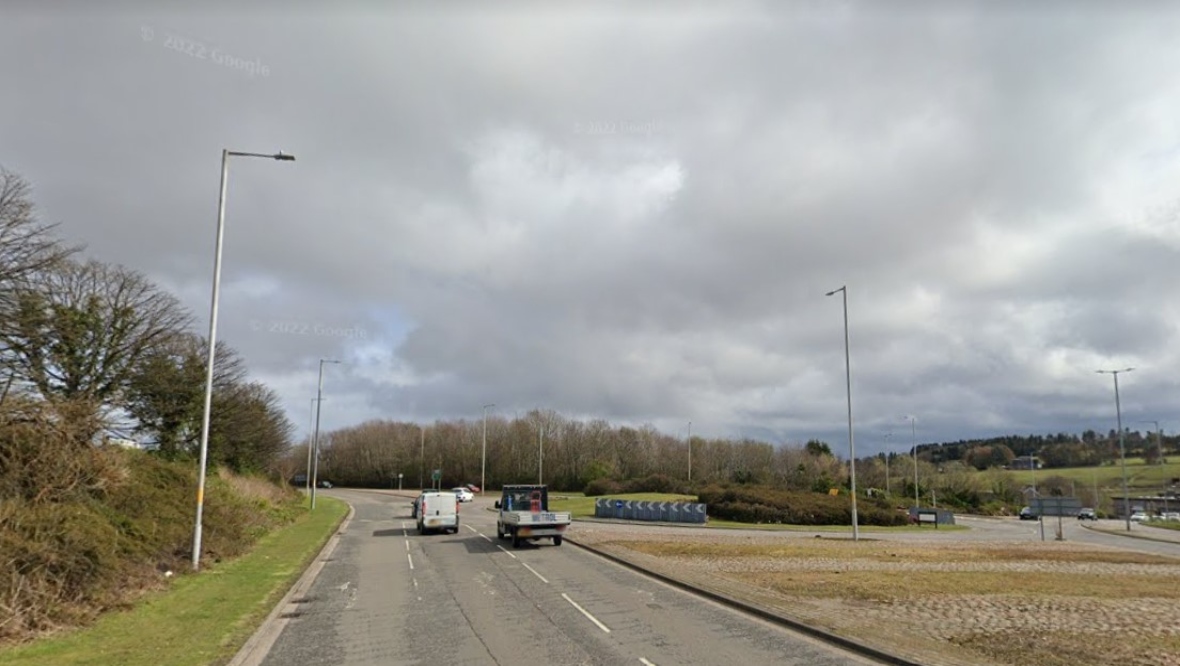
600, 487
762, 504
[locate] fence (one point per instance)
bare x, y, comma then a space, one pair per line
668, 512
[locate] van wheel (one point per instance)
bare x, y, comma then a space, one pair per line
421, 529
515, 541
500, 533
556, 541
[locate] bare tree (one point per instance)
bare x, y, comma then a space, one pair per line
27, 247
80, 329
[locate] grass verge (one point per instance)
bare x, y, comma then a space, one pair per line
202, 619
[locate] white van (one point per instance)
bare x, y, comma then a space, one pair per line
438, 512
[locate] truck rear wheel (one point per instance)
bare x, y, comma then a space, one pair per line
556, 541
515, 541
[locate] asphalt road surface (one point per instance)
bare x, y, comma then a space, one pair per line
389, 596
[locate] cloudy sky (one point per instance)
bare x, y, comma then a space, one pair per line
633, 211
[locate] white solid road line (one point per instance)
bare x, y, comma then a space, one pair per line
411, 559
407, 545
510, 554
583, 611
645, 662
526, 566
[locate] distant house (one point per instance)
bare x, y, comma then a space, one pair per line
1025, 462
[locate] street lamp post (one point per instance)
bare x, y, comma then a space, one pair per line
1118, 410
319, 400
310, 427
483, 461
204, 456
690, 452
887, 438
848, 378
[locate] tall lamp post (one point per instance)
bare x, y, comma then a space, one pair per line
310, 427
690, 451
204, 457
848, 377
887, 438
483, 461
315, 442
1118, 410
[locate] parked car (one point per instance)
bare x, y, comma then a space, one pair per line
1087, 514
1027, 513
324, 484
472, 487
463, 494
1171, 515
1139, 517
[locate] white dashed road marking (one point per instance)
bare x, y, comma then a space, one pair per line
510, 554
411, 559
583, 611
534, 572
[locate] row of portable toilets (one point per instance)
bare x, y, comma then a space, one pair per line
669, 512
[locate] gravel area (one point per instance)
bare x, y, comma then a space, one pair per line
1069, 628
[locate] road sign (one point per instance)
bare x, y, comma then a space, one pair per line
1056, 506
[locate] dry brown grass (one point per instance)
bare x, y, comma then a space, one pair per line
894, 552
257, 488
951, 603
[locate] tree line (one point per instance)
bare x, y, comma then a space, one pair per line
119, 350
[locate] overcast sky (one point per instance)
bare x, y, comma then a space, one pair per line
634, 214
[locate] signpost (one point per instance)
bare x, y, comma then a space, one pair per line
1055, 506
399, 480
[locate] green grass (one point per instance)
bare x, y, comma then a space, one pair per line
201, 619
1140, 476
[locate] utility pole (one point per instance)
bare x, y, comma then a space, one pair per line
690, 451
422, 460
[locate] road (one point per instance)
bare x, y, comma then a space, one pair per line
389, 596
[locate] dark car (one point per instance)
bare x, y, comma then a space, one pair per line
1087, 514
1027, 513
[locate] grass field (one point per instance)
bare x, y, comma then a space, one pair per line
1140, 476
202, 619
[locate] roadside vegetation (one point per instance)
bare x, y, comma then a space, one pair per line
101, 398
195, 620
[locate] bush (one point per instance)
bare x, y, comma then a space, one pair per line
762, 504
655, 483
600, 487
88, 529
